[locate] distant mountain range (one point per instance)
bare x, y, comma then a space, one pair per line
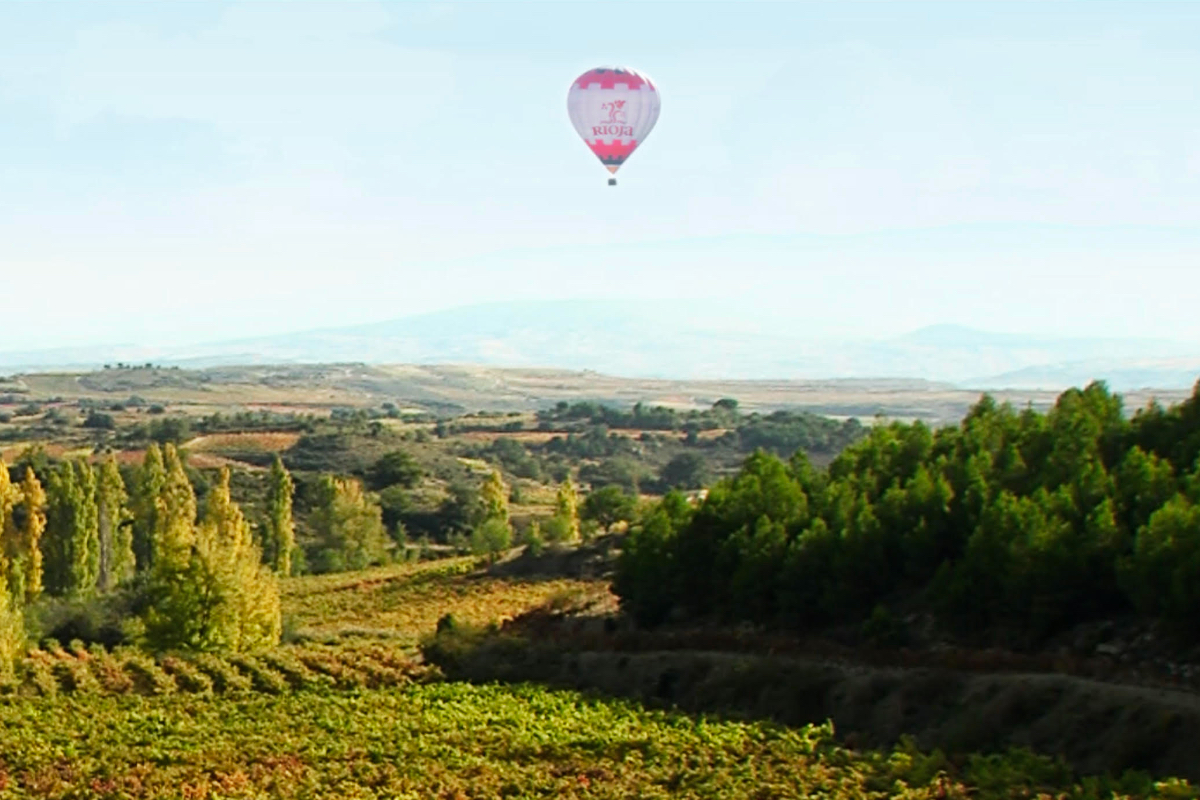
686, 340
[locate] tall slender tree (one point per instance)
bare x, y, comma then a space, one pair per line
12, 630
566, 509
147, 517
176, 532
280, 537
494, 495
250, 614
87, 551
33, 504
117, 560
10, 544
72, 558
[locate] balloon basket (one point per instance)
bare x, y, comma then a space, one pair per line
612, 181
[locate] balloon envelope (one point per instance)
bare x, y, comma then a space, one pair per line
613, 109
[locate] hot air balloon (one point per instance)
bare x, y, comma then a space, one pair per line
613, 109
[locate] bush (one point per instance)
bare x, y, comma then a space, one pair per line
99, 421
396, 468
492, 537
99, 620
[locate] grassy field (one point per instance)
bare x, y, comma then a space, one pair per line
403, 601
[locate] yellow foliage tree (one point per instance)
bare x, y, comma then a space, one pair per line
9, 535
175, 529
117, 560
566, 509
12, 631
33, 502
212, 593
494, 495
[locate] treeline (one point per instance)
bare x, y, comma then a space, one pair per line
1013, 519
183, 576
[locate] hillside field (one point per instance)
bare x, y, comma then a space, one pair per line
357, 715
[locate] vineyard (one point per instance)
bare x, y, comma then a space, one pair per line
349, 711
460, 741
92, 670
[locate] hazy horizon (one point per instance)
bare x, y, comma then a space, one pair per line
199, 173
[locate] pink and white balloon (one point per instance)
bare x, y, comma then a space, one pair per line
613, 109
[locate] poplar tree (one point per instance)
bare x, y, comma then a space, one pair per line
175, 531
72, 561
87, 549
12, 631
147, 517
33, 504
280, 537
249, 614
215, 594
349, 525
494, 534
494, 495
63, 525
10, 544
117, 560
566, 510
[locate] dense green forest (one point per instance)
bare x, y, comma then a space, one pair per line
1012, 520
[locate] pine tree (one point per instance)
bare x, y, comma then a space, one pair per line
117, 561
33, 503
147, 518
280, 537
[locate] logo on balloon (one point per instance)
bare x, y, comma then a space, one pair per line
616, 111
616, 124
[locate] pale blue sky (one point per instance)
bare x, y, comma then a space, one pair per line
186, 172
